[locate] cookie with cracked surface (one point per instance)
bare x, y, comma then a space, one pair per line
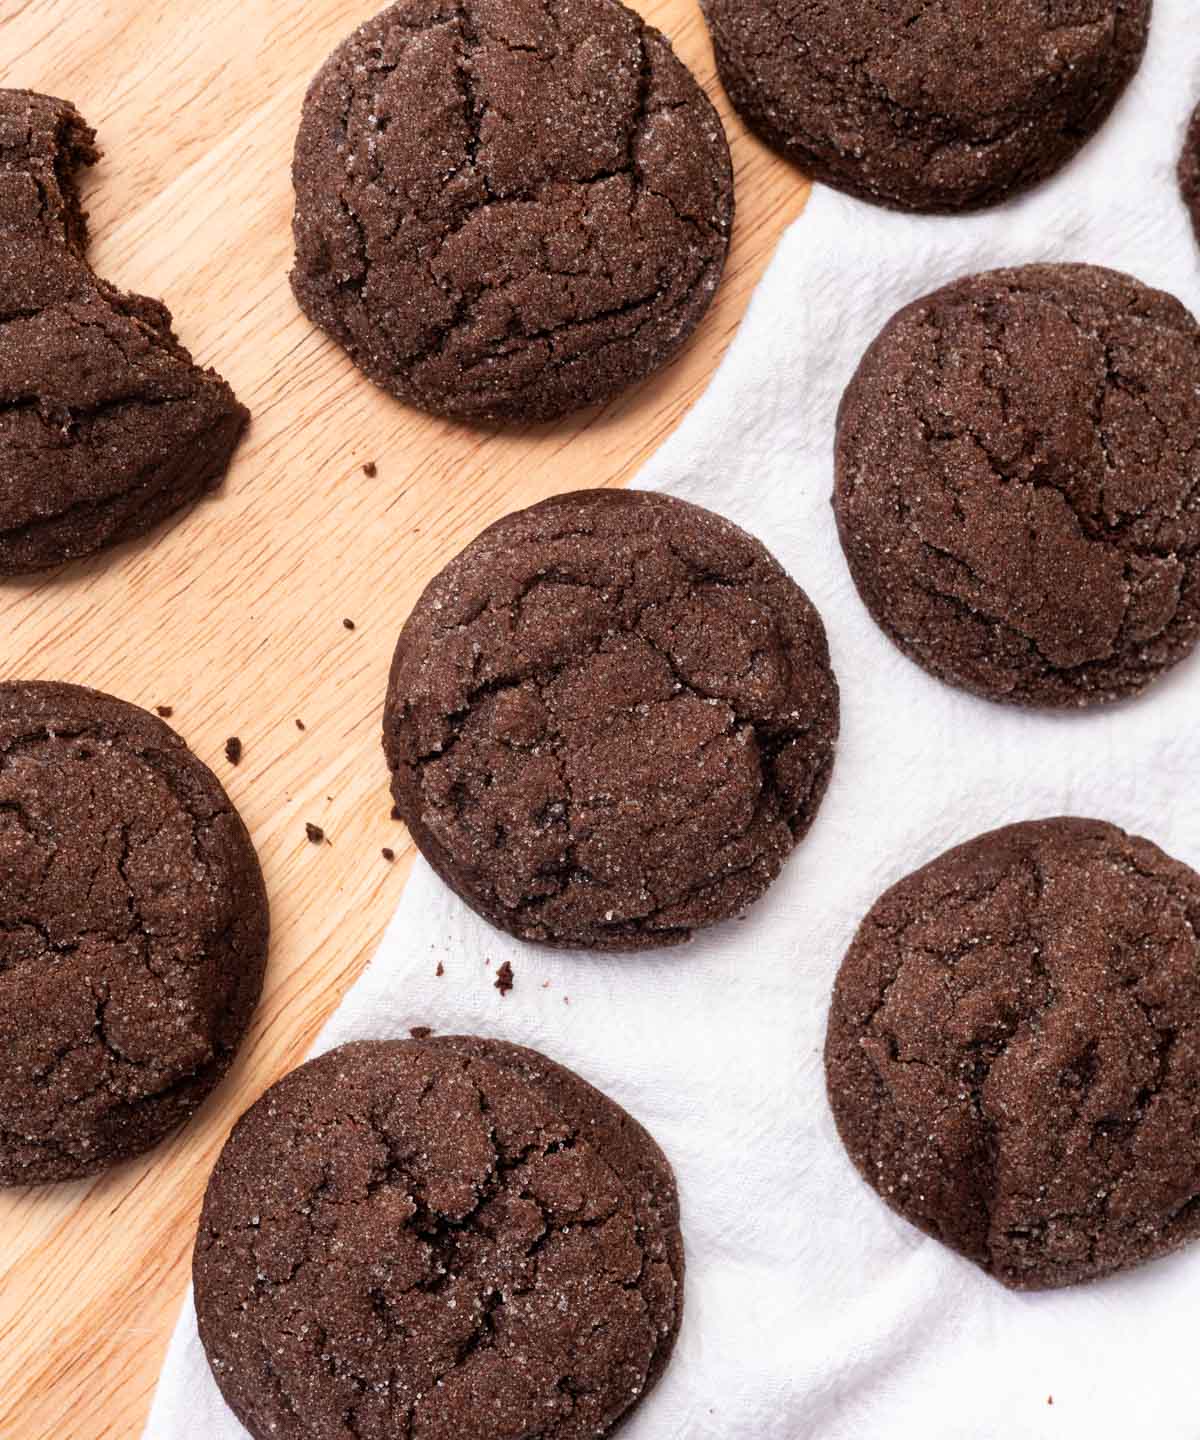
1013, 1053
106, 425
609, 720
1189, 170
509, 209
133, 931
1018, 484
927, 105
448, 1239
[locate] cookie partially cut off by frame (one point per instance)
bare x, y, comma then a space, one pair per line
610, 719
449, 1239
133, 931
927, 105
1018, 484
509, 209
106, 425
1013, 1052
1189, 170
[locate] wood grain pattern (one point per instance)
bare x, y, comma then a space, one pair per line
233, 615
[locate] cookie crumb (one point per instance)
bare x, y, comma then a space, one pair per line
440, 971
370, 469
388, 854
349, 624
233, 750
504, 978
396, 815
166, 711
420, 1032
300, 725
315, 834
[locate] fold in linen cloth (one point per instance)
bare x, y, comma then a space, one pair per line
813, 1312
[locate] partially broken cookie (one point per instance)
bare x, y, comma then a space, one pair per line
106, 425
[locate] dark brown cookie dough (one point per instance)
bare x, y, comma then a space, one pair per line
447, 1239
1018, 484
106, 426
1189, 170
928, 105
133, 931
509, 209
610, 719
1013, 1055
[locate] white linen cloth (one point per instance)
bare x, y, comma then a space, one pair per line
813, 1312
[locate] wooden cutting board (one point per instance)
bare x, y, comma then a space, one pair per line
233, 615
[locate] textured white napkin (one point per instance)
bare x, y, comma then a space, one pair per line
813, 1313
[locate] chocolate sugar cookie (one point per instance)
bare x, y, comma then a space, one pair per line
133, 931
1189, 170
1018, 483
609, 720
942, 105
1013, 1055
106, 425
453, 1239
509, 209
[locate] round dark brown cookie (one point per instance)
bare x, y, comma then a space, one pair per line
1013, 1055
609, 720
1018, 484
1189, 170
509, 209
106, 426
450, 1239
927, 105
133, 931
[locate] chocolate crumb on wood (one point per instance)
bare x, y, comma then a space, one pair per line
164, 711
233, 750
370, 469
315, 834
388, 854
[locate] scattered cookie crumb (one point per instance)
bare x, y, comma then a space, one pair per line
504, 978
166, 711
566, 999
396, 815
388, 855
300, 725
420, 1032
349, 624
233, 750
315, 834
440, 971
370, 469
1049, 1399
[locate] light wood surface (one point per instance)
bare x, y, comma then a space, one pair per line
234, 614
